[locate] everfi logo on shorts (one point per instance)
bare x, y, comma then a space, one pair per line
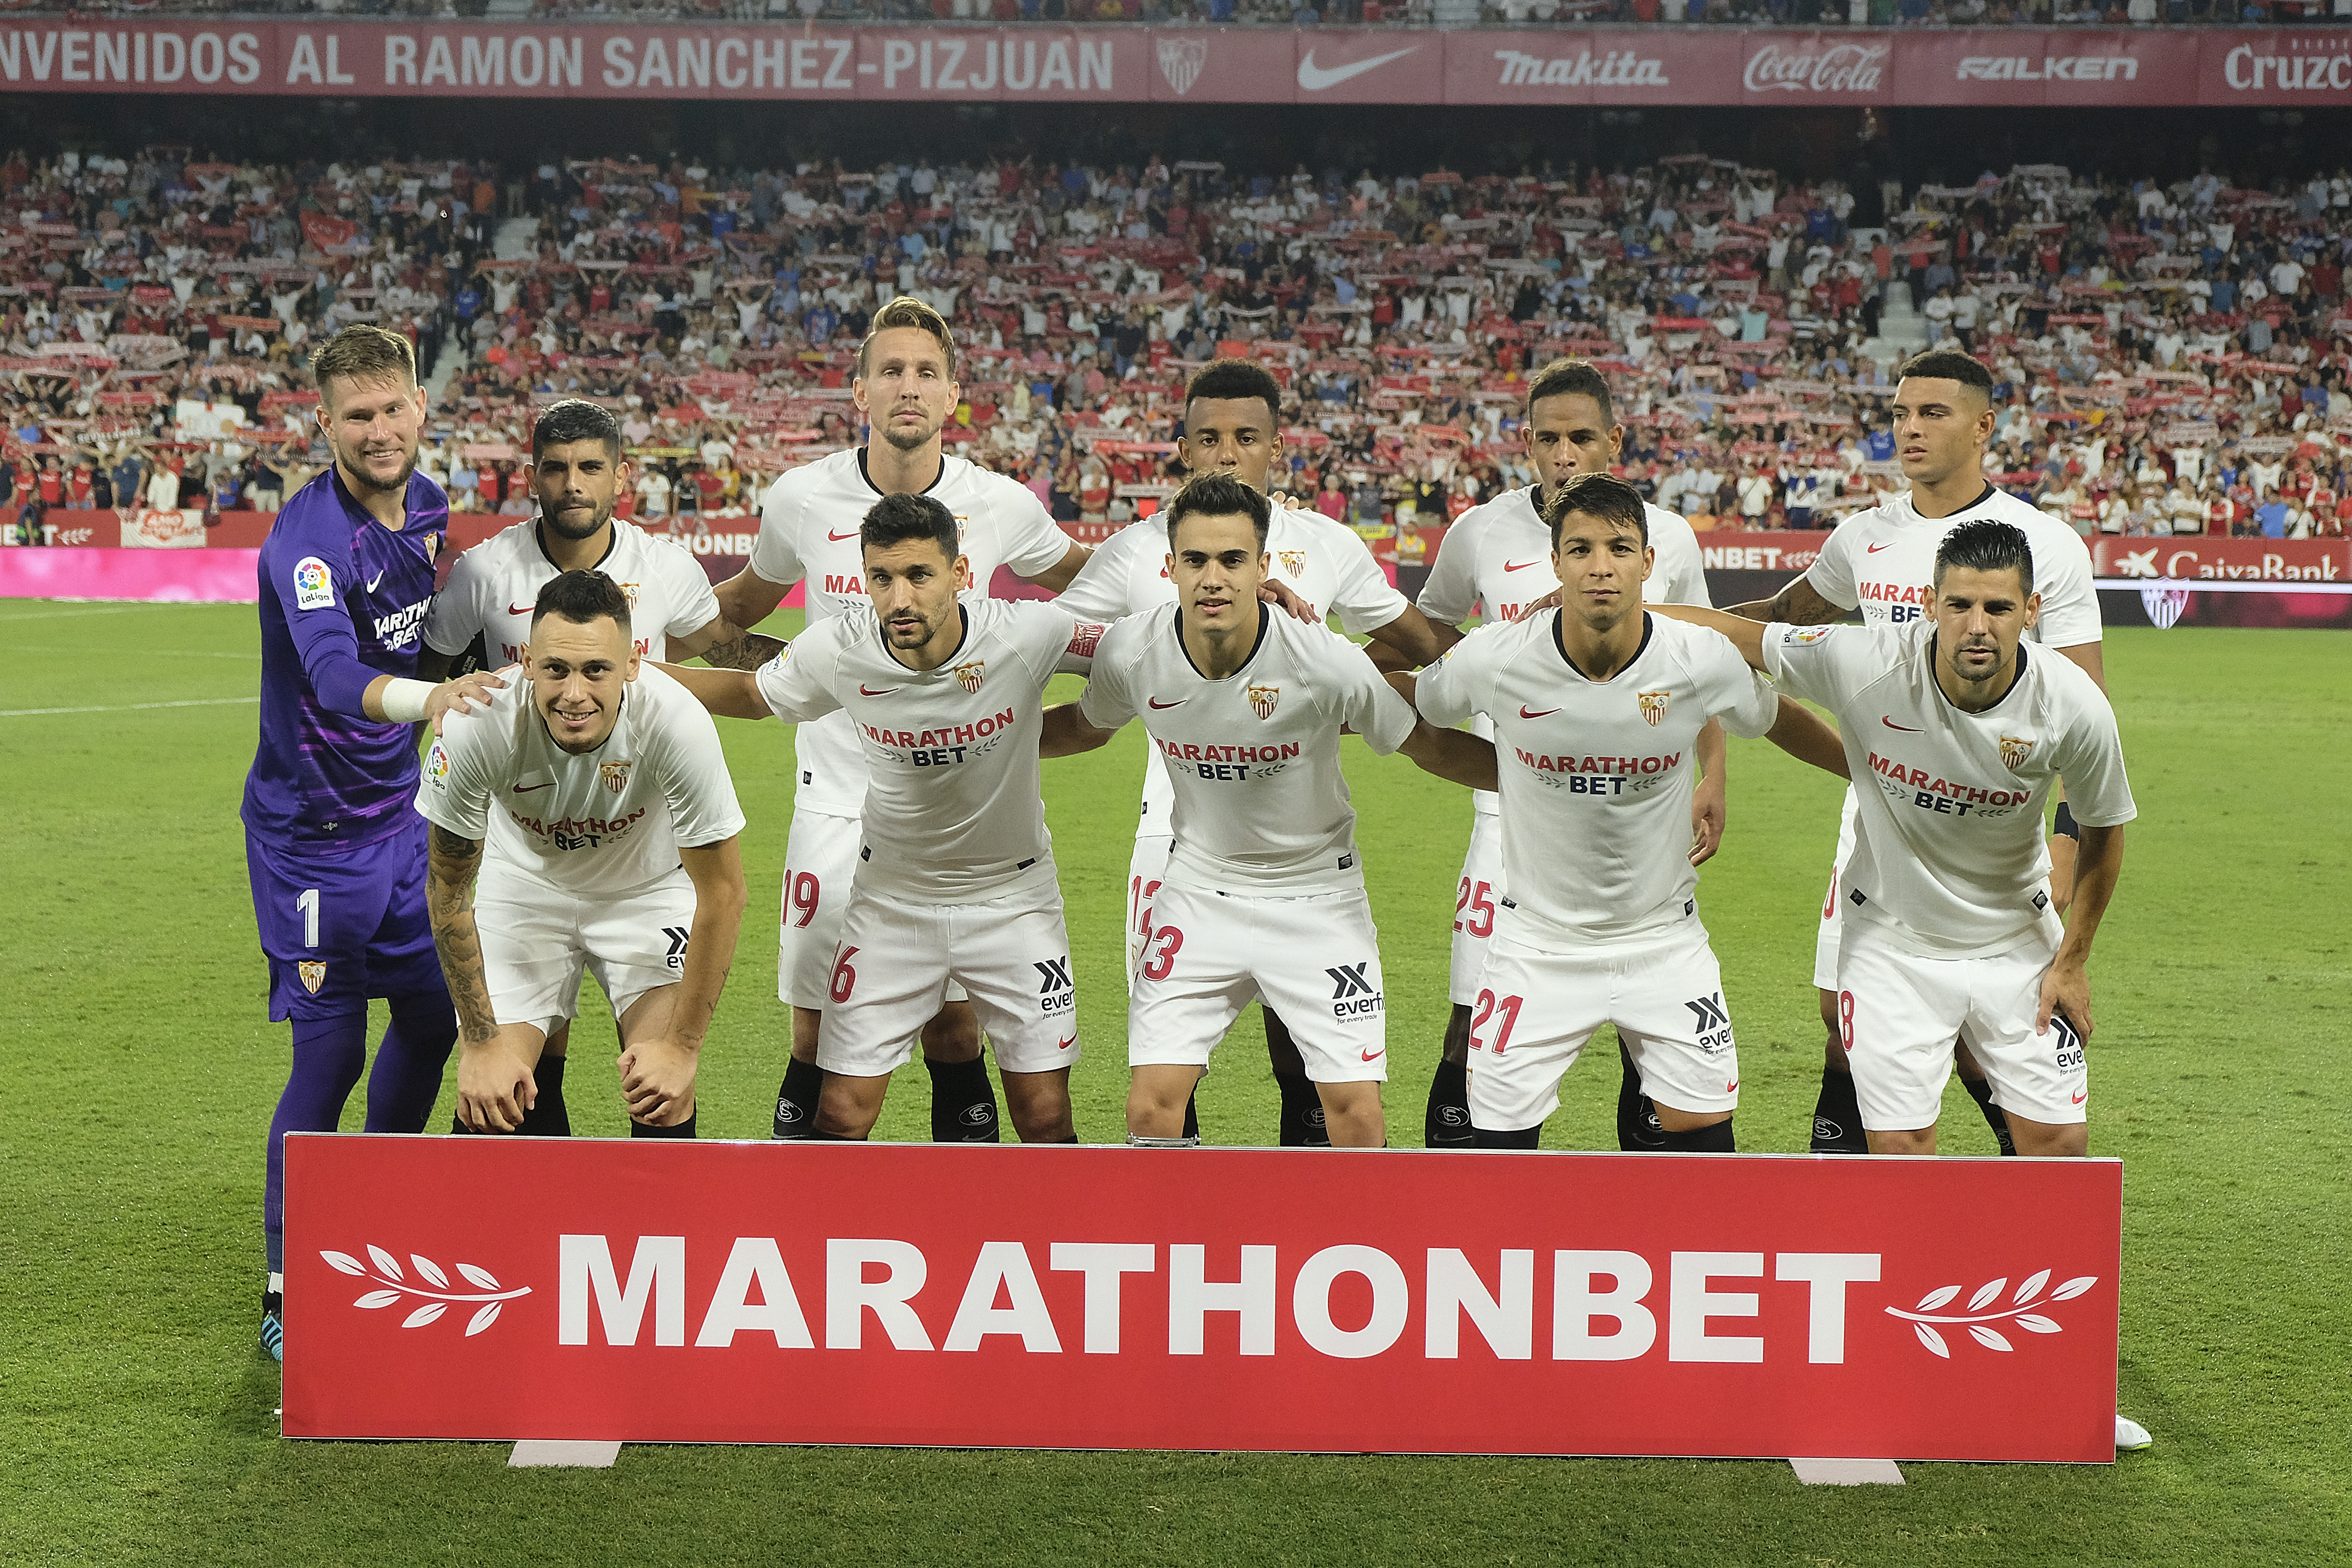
1352, 994
1055, 992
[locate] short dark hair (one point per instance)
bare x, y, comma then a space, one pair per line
581, 597
901, 519
1222, 379
1948, 365
1218, 496
1603, 495
1987, 544
363, 352
575, 419
1572, 378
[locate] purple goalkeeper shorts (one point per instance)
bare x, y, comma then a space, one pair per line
340, 928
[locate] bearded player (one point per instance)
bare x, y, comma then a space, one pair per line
905, 390
1597, 709
1264, 890
576, 473
955, 882
583, 821
1879, 560
1958, 729
1495, 561
336, 859
1232, 427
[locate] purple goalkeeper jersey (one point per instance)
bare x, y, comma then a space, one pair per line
342, 600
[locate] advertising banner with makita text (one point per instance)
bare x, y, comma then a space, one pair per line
1882, 68
1282, 1300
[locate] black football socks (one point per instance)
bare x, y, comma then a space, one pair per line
1837, 1116
1446, 1124
1638, 1132
796, 1100
963, 1103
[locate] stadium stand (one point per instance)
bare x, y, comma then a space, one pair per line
2172, 357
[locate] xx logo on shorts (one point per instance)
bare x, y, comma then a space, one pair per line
677, 935
1352, 994
1055, 973
1712, 1021
1055, 992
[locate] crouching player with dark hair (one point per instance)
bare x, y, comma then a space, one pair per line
1597, 709
592, 801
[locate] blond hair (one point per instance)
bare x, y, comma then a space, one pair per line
364, 352
907, 311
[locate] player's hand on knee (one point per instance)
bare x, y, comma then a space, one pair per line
495, 1087
657, 1080
2065, 990
459, 695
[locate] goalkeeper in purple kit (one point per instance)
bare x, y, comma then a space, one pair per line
335, 851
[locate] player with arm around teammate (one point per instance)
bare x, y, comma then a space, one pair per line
1232, 427
336, 859
905, 390
1495, 561
584, 819
1879, 561
1597, 709
955, 882
1264, 892
576, 474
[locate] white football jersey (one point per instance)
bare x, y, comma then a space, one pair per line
808, 531
1597, 776
1496, 560
1326, 563
493, 586
1261, 806
1882, 560
599, 823
952, 811
1948, 857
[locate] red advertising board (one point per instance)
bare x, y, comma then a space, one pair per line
2141, 66
1368, 1301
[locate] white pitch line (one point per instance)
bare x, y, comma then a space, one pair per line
6, 620
127, 707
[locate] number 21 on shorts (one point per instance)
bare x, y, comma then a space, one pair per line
1504, 1012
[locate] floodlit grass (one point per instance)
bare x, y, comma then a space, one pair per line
132, 1028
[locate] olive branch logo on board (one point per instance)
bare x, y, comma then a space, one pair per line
437, 1301
1978, 1321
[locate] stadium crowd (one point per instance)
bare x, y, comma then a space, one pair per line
2172, 357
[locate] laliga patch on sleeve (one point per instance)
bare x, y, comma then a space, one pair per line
314, 585
1809, 634
436, 766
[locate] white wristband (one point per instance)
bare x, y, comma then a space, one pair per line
404, 701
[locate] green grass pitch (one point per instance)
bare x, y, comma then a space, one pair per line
135, 1413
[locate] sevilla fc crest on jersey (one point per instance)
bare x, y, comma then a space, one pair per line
314, 974
1293, 561
2013, 752
616, 775
1263, 695
969, 676
1654, 706
629, 592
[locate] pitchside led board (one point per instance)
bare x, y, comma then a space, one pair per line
1310, 1300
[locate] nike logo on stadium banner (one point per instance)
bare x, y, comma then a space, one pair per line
373, 580
1525, 712
1520, 565
839, 539
521, 609
1316, 78
1873, 549
1905, 728
1065, 1044
527, 788
864, 691
1376, 1055
1155, 702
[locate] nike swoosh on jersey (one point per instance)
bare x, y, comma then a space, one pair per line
521, 609
373, 580
1521, 565
840, 538
864, 691
1889, 722
1155, 702
1525, 712
1316, 78
527, 788
1873, 549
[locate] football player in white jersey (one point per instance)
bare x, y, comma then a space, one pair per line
1233, 425
1597, 707
1495, 561
1263, 892
1879, 561
905, 390
576, 472
955, 881
583, 818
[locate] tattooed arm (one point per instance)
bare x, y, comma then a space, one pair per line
723, 646
494, 1065
1799, 604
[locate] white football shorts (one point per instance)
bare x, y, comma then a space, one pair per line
1315, 961
1536, 1008
1897, 1012
1474, 907
820, 859
1145, 868
897, 960
1825, 936
537, 940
